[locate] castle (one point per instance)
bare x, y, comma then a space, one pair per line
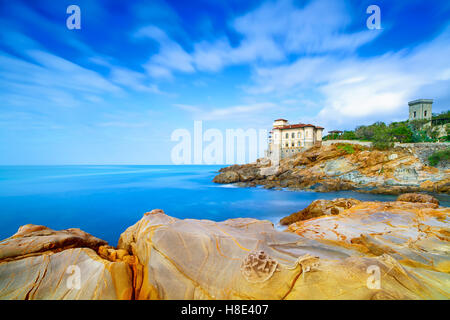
287, 139
420, 109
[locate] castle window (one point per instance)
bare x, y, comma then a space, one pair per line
287, 145
298, 143
414, 114
299, 135
425, 113
287, 135
293, 134
293, 144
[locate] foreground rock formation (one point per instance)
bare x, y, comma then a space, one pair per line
344, 167
40, 263
359, 250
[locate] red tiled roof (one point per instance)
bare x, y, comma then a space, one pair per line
280, 120
298, 125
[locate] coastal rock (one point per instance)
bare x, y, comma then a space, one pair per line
32, 238
343, 167
347, 249
242, 173
414, 237
227, 177
319, 208
417, 197
41, 263
328, 257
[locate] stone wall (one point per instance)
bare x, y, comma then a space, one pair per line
423, 150
361, 143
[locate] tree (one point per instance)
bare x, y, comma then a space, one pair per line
400, 132
381, 138
349, 135
331, 136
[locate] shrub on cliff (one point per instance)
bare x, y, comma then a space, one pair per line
349, 135
331, 136
346, 135
382, 137
348, 148
438, 156
447, 137
400, 132
367, 132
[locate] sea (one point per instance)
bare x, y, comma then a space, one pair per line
105, 200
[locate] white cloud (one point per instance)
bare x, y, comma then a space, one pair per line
277, 29
49, 79
132, 79
234, 112
171, 56
371, 88
188, 108
269, 34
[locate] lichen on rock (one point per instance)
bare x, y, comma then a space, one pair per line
258, 267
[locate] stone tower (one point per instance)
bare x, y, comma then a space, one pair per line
420, 109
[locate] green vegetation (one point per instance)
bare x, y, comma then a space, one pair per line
383, 136
348, 148
438, 156
331, 136
442, 115
348, 135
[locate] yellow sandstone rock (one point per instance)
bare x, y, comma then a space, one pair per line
340, 256
361, 250
40, 263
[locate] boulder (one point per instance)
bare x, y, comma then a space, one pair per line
227, 177
330, 257
41, 263
417, 197
319, 208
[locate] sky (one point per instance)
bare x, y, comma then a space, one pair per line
114, 91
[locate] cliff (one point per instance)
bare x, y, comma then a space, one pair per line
344, 167
359, 250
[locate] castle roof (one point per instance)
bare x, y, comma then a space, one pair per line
298, 125
411, 103
280, 120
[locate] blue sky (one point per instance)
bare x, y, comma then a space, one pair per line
114, 91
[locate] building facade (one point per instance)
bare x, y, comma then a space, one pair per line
420, 109
287, 139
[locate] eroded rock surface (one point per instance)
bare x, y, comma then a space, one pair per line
334, 167
329, 257
341, 249
412, 237
417, 197
319, 208
41, 263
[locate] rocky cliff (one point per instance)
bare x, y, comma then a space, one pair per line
344, 249
344, 167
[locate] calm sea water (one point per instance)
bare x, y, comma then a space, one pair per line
105, 200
